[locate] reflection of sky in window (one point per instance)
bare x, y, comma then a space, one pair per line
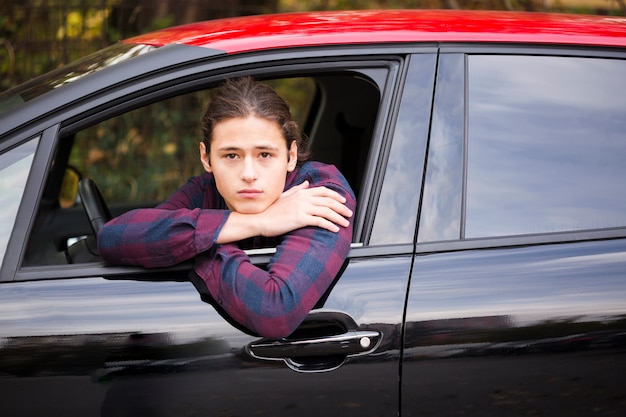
14, 169
440, 213
440, 218
546, 145
395, 221
397, 210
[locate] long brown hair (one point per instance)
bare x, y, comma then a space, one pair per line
243, 97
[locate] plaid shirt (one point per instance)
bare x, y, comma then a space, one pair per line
271, 302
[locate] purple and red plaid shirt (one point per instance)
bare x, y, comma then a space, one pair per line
271, 302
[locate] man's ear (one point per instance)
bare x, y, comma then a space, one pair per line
204, 157
293, 156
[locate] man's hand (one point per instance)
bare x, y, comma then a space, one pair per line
298, 207
301, 206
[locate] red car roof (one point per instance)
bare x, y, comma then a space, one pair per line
249, 33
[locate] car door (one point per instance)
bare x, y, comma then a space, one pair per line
517, 297
88, 339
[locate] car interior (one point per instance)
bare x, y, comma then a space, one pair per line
138, 158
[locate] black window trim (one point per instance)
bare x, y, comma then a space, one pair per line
589, 51
502, 242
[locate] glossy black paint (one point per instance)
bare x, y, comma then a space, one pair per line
517, 331
146, 347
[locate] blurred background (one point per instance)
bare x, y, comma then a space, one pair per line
37, 36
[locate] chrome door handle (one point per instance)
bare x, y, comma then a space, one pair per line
323, 342
350, 343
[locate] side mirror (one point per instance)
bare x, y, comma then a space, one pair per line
69, 188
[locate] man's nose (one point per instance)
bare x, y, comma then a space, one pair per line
248, 172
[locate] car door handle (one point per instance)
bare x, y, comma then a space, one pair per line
323, 342
350, 344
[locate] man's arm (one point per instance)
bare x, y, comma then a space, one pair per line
189, 222
273, 302
298, 207
175, 231
158, 237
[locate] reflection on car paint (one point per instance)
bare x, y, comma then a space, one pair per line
518, 323
122, 341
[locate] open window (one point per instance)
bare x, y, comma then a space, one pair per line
141, 156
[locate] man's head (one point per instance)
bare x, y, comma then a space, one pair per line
250, 144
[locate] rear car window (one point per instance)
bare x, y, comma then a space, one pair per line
546, 145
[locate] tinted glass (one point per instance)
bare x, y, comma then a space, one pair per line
14, 168
441, 208
397, 208
546, 144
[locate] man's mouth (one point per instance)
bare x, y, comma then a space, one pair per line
249, 193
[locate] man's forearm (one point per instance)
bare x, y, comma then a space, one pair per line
156, 238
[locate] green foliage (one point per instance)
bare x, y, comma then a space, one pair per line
143, 155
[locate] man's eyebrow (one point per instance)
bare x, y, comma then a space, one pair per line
237, 148
268, 147
228, 148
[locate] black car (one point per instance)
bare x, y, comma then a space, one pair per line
488, 270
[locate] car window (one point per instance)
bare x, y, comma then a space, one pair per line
546, 144
397, 207
140, 157
14, 168
440, 217
525, 145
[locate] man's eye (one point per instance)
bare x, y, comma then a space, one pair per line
265, 155
230, 156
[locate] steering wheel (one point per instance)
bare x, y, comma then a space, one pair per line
94, 205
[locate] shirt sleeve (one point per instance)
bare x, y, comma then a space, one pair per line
173, 232
272, 302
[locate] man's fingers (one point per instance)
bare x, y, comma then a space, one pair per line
335, 206
330, 226
301, 206
331, 215
327, 192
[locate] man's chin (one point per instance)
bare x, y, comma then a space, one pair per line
249, 208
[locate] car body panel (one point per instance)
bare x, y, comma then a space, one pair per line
245, 34
517, 331
128, 346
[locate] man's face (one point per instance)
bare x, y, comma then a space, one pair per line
250, 162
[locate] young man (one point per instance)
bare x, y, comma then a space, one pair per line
257, 191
